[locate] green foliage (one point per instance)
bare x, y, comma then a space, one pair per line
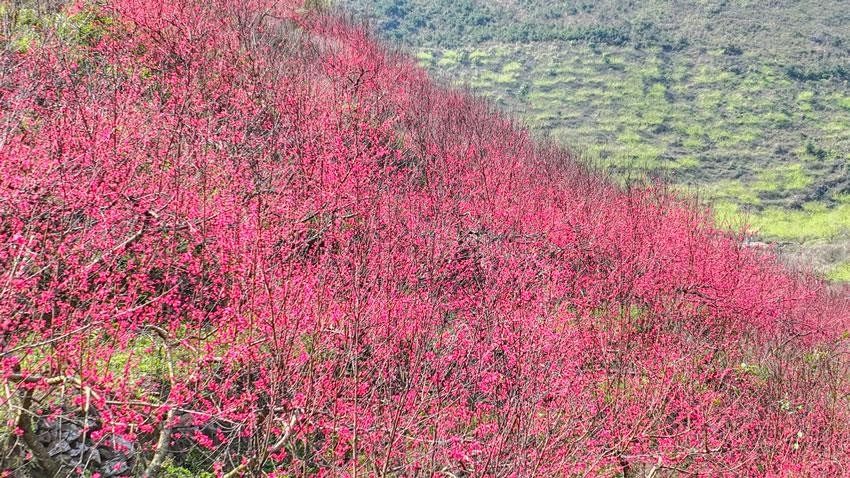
26, 22
840, 273
835, 72
461, 21
87, 27
172, 471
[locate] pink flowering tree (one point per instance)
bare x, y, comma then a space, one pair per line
242, 238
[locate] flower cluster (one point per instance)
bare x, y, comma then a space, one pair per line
242, 237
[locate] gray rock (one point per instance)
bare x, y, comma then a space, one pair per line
107, 453
77, 451
72, 433
60, 446
93, 457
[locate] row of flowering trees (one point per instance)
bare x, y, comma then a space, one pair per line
240, 237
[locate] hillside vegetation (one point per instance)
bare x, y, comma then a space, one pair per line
241, 238
745, 103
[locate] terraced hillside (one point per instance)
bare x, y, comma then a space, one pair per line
743, 103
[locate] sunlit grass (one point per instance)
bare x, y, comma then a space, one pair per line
814, 222
783, 178
731, 191
840, 273
449, 58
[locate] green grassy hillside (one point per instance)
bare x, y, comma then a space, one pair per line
748, 104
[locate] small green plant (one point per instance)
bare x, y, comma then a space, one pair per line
172, 471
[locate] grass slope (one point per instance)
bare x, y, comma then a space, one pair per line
743, 102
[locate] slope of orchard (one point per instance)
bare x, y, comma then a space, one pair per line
245, 239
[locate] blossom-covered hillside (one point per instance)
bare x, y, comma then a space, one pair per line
240, 238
